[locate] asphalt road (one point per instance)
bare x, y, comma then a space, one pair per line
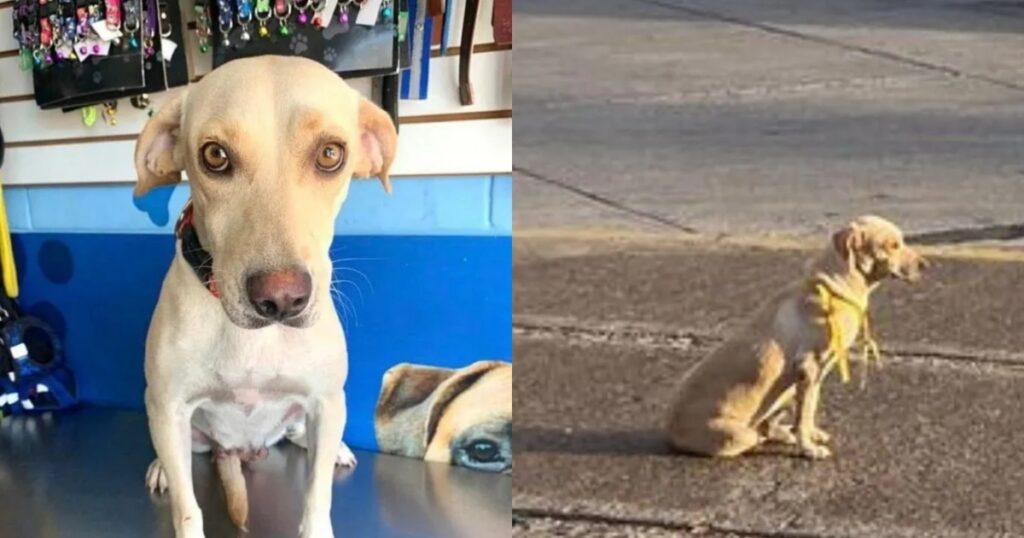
769, 117
604, 329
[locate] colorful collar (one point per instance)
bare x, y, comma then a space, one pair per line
192, 250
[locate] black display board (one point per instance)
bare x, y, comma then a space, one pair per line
124, 72
348, 49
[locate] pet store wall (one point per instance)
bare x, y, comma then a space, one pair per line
424, 274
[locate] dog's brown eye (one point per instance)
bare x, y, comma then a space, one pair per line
330, 157
215, 158
483, 451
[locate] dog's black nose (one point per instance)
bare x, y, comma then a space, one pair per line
279, 295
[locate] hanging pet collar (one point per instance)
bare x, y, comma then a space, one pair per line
415, 79
202, 10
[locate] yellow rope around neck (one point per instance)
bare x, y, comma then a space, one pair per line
835, 332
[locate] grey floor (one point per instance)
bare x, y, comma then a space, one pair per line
81, 475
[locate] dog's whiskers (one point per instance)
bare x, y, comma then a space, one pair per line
337, 300
352, 306
346, 303
336, 260
342, 282
360, 273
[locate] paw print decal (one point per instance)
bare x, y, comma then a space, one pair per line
299, 43
330, 55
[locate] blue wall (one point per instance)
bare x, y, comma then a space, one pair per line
428, 278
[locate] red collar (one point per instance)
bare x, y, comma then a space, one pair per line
192, 250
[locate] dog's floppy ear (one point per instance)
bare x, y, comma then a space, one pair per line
404, 402
848, 241
405, 386
159, 157
414, 398
450, 389
378, 139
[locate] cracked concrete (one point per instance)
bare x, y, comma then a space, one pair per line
655, 337
928, 447
965, 306
541, 526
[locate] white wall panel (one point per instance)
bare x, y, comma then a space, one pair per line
439, 148
490, 73
23, 121
13, 81
7, 41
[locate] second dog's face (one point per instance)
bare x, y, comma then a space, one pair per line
475, 430
270, 146
462, 417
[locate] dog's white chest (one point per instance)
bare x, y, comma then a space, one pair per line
247, 397
247, 418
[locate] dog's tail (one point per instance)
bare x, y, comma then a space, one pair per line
229, 466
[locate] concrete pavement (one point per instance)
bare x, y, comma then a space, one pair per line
543, 527
781, 117
605, 327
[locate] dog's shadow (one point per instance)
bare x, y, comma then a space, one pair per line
570, 441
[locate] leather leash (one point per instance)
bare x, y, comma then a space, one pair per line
466, 51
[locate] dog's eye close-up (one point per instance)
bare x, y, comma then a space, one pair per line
483, 451
215, 158
330, 157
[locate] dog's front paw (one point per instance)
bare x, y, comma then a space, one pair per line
189, 527
316, 527
156, 477
819, 435
815, 451
345, 457
781, 433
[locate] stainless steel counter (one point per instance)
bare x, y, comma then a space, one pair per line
81, 475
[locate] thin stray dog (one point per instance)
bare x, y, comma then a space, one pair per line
245, 346
736, 398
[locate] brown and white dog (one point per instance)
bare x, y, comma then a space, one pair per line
462, 417
734, 399
245, 346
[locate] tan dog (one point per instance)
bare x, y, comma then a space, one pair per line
245, 345
735, 398
462, 417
